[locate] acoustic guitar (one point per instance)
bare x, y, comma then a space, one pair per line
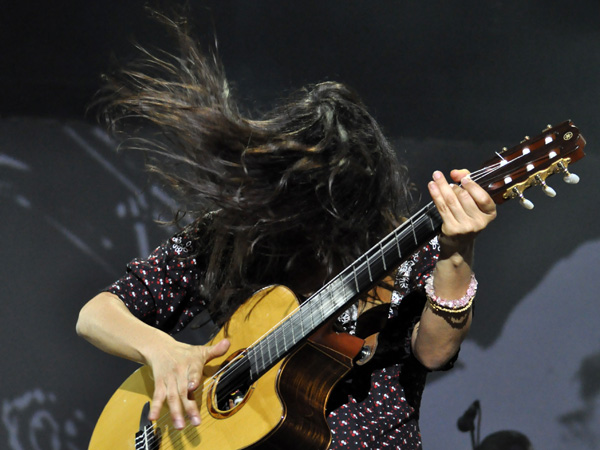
271, 389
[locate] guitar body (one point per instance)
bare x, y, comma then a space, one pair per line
284, 408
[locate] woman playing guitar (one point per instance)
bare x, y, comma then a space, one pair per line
288, 199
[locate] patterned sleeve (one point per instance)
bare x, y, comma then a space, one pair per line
408, 298
406, 304
163, 290
412, 273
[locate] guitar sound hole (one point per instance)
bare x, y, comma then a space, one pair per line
229, 401
233, 388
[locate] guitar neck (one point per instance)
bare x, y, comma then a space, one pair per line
356, 279
505, 176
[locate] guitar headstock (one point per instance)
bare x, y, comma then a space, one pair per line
529, 163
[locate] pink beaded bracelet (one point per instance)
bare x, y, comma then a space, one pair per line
451, 306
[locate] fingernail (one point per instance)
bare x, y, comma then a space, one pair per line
437, 175
466, 180
191, 385
179, 424
195, 420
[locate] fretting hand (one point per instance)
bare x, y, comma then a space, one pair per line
465, 210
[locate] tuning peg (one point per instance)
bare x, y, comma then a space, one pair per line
548, 190
569, 178
545, 188
527, 204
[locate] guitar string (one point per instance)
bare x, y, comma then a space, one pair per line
209, 383
188, 432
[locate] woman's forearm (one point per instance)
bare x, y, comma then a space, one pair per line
438, 336
107, 323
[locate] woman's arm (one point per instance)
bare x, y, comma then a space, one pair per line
177, 367
465, 211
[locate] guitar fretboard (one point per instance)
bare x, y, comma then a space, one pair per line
356, 279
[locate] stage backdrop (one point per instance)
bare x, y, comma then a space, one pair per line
450, 82
74, 212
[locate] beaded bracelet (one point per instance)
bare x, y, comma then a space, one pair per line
450, 306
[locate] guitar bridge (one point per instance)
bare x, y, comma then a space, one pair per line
147, 438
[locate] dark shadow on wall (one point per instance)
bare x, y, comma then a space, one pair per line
520, 246
583, 421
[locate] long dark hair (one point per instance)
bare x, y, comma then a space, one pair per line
313, 183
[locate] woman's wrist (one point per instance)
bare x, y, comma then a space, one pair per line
157, 346
453, 270
450, 306
456, 249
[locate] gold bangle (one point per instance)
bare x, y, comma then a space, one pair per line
438, 308
457, 306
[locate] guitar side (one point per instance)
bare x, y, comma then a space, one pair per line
284, 406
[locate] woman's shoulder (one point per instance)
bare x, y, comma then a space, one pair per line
193, 239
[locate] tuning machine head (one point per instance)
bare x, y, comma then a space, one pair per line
527, 204
545, 188
569, 178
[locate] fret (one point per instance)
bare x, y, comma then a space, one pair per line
368, 267
341, 289
288, 336
253, 358
301, 320
413, 231
343, 282
268, 345
382, 256
397, 243
312, 319
433, 227
280, 347
323, 316
355, 278
257, 365
293, 341
331, 298
264, 358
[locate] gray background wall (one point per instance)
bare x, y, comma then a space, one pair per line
450, 82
